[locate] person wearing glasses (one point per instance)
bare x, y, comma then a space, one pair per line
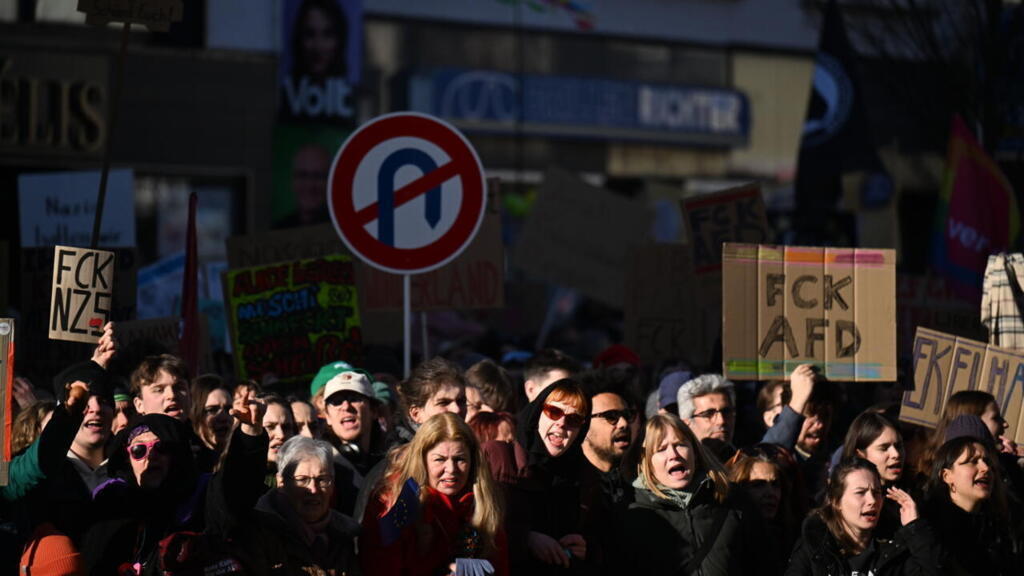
293, 525
211, 407
545, 515
707, 404
437, 509
351, 409
156, 489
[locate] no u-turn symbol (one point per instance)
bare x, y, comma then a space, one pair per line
406, 193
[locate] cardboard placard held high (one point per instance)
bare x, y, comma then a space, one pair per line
783, 306
83, 284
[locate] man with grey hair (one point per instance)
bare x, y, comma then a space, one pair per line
707, 405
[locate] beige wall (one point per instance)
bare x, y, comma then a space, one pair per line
778, 86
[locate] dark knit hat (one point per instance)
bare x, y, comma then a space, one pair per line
968, 425
669, 387
51, 553
99, 381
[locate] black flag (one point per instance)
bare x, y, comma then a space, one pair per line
836, 137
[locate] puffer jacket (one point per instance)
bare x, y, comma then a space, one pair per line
660, 536
913, 551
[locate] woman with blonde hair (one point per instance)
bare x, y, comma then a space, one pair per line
436, 508
682, 521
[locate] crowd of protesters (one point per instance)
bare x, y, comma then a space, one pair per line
538, 467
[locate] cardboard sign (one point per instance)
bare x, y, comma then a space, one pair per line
473, 281
660, 317
784, 306
83, 284
6, 381
156, 15
60, 208
945, 364
162, 334
735, 215
578, 235
291, 318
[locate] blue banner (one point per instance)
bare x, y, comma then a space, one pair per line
490, 101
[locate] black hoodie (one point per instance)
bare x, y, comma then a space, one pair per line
548, 500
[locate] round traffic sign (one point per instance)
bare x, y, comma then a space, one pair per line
406, 192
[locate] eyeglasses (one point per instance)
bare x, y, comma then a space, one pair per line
710, 413
345, 396
142, 450
322, 482
555, 413
215, 410
612, 416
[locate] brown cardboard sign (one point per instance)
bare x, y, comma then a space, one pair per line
6, 381
578, 235
473, 281
783, 306
163, 332
83, 284
945, 364
734, 215
659, 315
156, 15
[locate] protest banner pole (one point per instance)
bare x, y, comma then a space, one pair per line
406, 326
111, 127
423, 329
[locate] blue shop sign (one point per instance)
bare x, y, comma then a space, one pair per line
489, 101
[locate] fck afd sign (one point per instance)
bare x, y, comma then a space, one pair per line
83, 281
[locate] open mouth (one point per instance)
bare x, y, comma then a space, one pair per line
448, 482
349, 421
93, 425
557, 439
870, 515
621, 441
984, 482
679, 472
173, 410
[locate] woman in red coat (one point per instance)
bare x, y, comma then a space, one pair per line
436, 510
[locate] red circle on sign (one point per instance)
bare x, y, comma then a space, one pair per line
351, 223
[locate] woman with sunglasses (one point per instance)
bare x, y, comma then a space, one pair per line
839, 537
156, 489
545, 519
211, 411
760, 474
682, 521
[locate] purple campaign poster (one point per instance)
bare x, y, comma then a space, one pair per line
321, 59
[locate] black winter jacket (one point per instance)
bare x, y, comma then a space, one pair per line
973, 543
912, 552
660, 537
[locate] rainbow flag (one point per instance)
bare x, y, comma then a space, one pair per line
977, 213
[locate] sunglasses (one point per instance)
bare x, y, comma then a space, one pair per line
339, 398
142, 450
613, 416
555, 413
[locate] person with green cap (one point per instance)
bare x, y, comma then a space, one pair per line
316, 387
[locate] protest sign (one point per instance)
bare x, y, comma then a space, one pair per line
663, 317
289, 319
832, 307
162, 334
156, 15
59, 208
578, 235
945, 364
735, 215
6, 381
83, 284
474, 280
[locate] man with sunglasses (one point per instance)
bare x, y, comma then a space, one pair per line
605, 491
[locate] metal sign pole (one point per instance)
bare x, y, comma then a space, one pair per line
406, 325
426, 340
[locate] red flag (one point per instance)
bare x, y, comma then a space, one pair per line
188, 345
977, 213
